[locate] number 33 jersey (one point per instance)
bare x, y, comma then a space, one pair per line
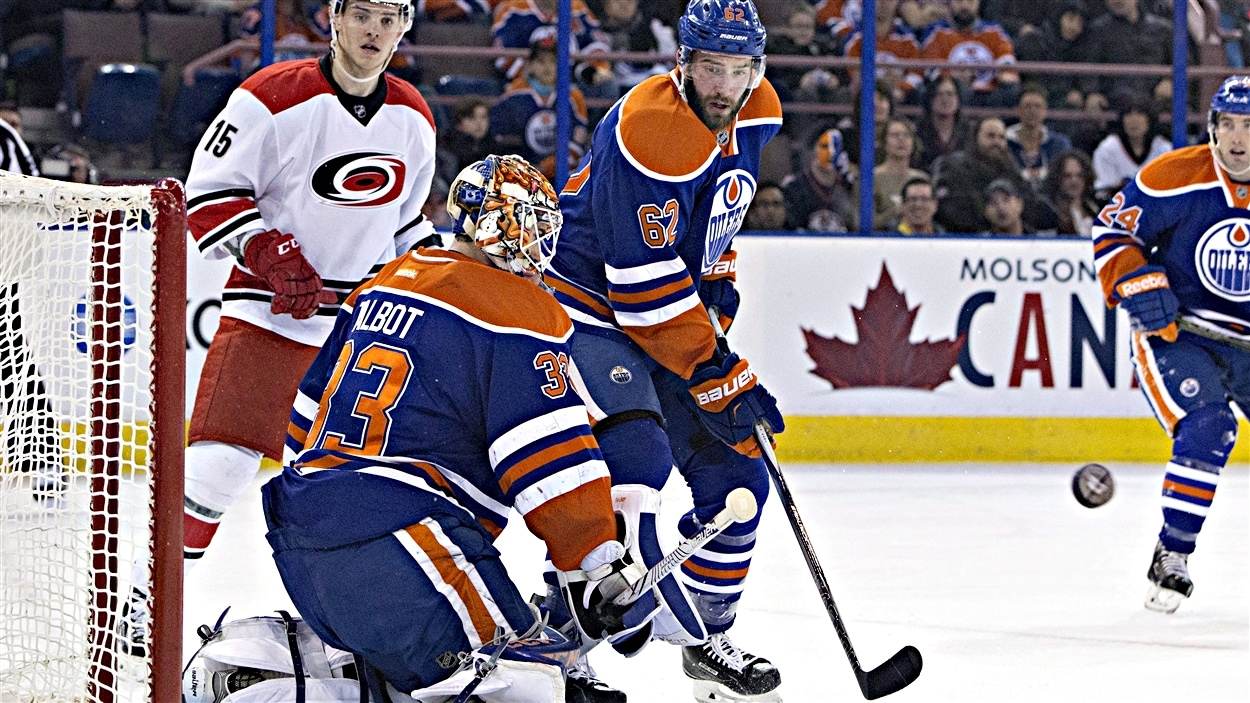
445, 377
346, 175
651, 210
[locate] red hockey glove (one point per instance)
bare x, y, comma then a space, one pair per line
276, 259
1149, 301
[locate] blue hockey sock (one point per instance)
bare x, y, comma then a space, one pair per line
1203, 440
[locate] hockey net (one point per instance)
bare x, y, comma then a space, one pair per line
92, 342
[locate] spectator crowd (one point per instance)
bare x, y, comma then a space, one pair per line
935, 168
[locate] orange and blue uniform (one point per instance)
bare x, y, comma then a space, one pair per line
1185, 214
651, 213
440, 402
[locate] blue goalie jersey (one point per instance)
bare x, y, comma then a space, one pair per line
444, 387
650, 211
1184, 213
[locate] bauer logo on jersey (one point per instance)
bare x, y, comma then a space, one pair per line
1222, 258
734, 192
359, 179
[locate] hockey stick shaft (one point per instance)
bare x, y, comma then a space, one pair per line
1187, 326
899, 670
740, 506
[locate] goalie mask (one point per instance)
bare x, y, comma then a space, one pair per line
510, 210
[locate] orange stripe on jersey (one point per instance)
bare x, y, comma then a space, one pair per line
580, 296
574, 523
489, 294
660, 131
491, 527
1123, 263
715, 573
327, 461
435, 475
540, 459
298, 433
574, 185
679, 344
1191, 491
1179, 168
459, 581
1152, 384
652, 294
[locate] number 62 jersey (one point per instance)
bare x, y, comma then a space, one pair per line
1185, 213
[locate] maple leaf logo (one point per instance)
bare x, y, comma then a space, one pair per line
883, 356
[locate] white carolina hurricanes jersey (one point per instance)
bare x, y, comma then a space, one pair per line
346, 175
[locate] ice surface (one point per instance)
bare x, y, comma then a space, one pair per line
1009, 588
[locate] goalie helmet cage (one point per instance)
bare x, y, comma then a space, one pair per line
92, 351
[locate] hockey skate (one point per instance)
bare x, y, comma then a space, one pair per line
724, 673
1169, 580
132, 626
581, 686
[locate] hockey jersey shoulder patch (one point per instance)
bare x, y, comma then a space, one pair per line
496, 298
1185, 168
763, 106
659, 133
286, 84
401, 92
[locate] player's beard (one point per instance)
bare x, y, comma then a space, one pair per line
697, 102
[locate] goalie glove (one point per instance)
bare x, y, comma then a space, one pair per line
1146, 296
276, 259
606, 572
732, 401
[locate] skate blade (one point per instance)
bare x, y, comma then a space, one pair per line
1163, 600
712, 692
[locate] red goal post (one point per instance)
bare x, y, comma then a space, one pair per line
92, 355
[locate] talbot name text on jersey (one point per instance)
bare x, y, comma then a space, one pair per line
385, 317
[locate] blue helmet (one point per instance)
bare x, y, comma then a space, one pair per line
722, 26
1232, 98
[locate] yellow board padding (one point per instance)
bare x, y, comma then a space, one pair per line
998, 439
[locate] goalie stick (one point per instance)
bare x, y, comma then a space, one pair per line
896, 672
1192, 328
740, 506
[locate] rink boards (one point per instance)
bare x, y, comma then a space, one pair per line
941, 349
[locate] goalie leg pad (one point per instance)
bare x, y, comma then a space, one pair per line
637, 508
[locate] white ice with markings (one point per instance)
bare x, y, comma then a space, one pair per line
1009, 588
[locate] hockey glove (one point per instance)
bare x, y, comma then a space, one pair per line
1149, 301
276, 259
607, 572
732, 401
721, 294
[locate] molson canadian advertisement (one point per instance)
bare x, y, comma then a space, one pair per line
898, 349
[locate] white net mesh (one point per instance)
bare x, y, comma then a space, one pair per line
76, 333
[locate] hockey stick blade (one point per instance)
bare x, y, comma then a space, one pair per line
1193, 328
895, 674
740, 506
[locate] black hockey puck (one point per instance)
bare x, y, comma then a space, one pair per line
1093, 485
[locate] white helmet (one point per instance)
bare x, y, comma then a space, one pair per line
510, 210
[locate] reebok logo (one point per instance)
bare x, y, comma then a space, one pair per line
1151, 281
726, 390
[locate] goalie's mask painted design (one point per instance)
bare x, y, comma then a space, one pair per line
510, 210
721, 27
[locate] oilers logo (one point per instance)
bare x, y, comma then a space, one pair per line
1222, 259
359, 179
734, 192
540, 132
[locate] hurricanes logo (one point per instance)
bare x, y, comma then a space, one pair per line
359, 179
1222, 259
734, 192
